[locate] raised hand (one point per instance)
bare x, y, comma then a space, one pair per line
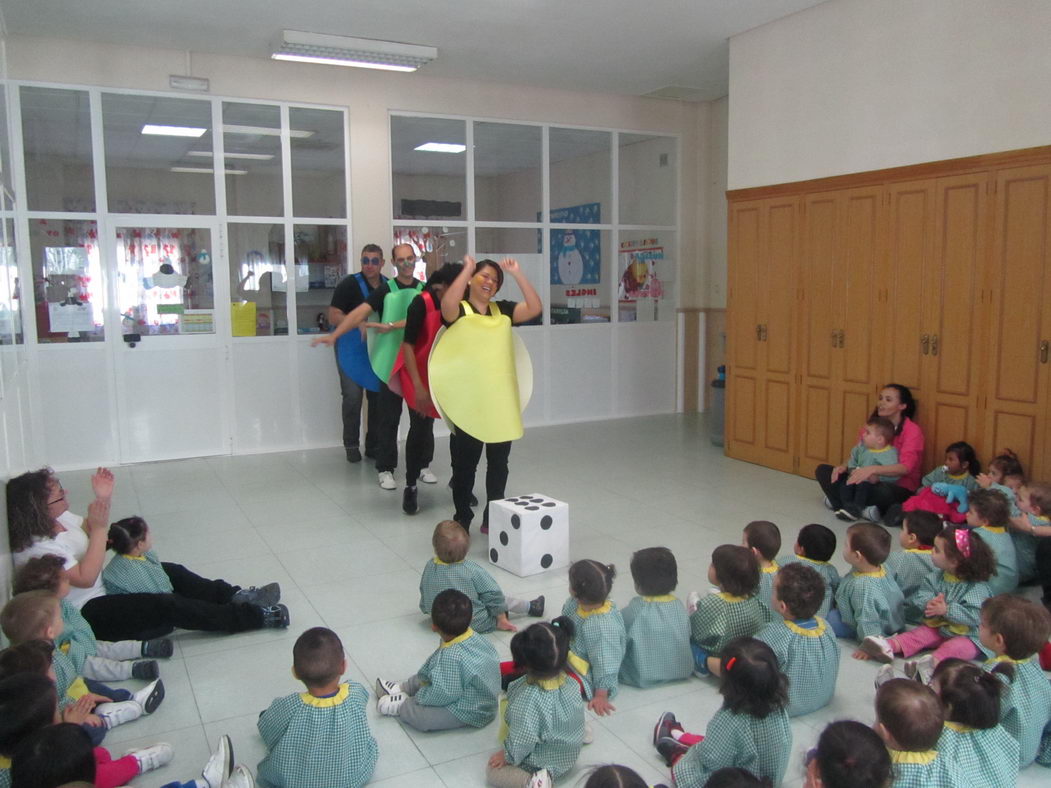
102, 483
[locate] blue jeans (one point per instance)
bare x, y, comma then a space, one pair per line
700, 659
842, 630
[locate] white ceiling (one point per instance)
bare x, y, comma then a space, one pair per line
629, 47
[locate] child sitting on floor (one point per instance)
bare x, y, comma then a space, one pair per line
458, 685
848, 755
815, 545
805, 645
988, 512
763, 538
731, 612
875, 448
909, 719
868, 601
961, 469
658, 629
910, 566
750, 731
318, 738
1007, 475
450, 568
1030, 527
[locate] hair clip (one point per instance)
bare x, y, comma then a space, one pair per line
730, 663
963, 542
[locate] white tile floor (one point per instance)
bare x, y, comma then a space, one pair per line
347, 558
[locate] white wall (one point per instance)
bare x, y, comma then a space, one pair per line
856, 85
713, 289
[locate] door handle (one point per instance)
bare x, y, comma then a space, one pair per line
835, 339
758, 333
925, 344
934, 345
762, 333
842, 337
1045, 346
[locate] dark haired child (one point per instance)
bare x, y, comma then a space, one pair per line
458, 685
910, 566
952, 597
1006, 475
210, 605
94, 659
615, 776
804, 644
544, 714
1014, 629
909, 719
960, 470
875, 448
815, 545
848, 755
973, 737
731, 612
751, 729
868, 601
319, 737
733, 777
658, 629
450, 568
763, 538
598, 637
1029, 530
989, 513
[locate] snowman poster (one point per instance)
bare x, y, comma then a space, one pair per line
576, 256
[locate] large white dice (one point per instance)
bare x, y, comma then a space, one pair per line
529, 534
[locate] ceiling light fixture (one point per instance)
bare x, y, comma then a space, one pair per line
173, 131
330, 50
207, 169
207, 154
263, 131
441, 147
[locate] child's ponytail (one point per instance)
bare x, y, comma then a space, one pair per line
591, 581
970, 695
125, 534
752, 681
543, 649
965, 547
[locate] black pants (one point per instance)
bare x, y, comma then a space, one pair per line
389, 407
419, 446
466, 452
1043, 566
882, 495
351, 394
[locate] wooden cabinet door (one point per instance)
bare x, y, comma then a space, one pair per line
743, 397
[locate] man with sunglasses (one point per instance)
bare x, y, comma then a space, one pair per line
350, 293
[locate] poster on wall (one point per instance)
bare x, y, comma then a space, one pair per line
576, 255
639, 264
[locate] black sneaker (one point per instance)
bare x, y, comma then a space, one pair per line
894, 516
353, 455
671, 750
158, 647
276, 617
145, 669
536, 607
409, 504
264, 596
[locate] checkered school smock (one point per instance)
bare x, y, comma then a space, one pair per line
1009, 494
871, 603
1006, 578
761, 746
599, 639
463, 677
1025, 706
929, 769
545, 724
940, 475
1025, 548
658, 645
5, 772
317, 742
469, 578
909, 568
963, 604
720, 617
129, 574
828, 573
808, 654
986, 757
77, 632
766, 586
69, 686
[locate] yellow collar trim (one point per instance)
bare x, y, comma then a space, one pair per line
888, 447
919, 550
5, 762
598, 611
440, 562
881, 572
458, 639
769, 570
950, 577
812, 560
1004, 658
661, 598
959, 728
135, 557
1040, 518
731, 598
993, 529
326, 703
548, 684
816, 632
963, 475
905, 756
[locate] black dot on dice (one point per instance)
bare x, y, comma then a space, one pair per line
532, 508
538, 500
516, 522
545, 562
503, 538
546, 521
549, 503
520, 503
493, 555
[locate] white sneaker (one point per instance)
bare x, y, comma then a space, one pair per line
241, 778
589, 733
389, 705
153, 757
114, 714
920, 669
427, 477
387, 687
878, 648
150, 696
387, 481
219, 767
691, 601
828, 503
541, 779
871, 513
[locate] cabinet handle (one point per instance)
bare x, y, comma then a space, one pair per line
835, 339
1045, 346
763, 332
925, 344
758, 333
934, 345
842, 337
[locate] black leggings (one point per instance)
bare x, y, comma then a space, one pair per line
466, 452
882, 495
1043, 566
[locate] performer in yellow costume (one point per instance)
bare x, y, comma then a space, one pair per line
474, 377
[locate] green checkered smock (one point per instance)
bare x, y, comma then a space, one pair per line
599, 639
861, 456
761, 746
1025, 706
1009, 494
721, 617
928, 769
871, 603
68, 684
909, 568
77, 632
469, 578
545, 724
127, 574
5, 772
1025, 549
1006, 578
963, 604
317, 742
658, 648
828, 573
463, 677
766, 586
986, 757
808, 654
940, 475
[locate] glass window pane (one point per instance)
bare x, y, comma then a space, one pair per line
158, 154
164, 280
320, 262
10, 289
580, 176
252, 149
5, 143
258, 285
580, 264
319, 184
520, 243
648, 170
428, 184
56, 137
434, 246
68, 291
647, 269
507, 161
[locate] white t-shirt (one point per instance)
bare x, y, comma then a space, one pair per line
70, 545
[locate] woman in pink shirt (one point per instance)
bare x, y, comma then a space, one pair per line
895, 403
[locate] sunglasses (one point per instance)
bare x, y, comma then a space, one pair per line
371, 260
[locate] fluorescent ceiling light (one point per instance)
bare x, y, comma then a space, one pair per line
441, 147
207, 169
347, 51
207, 154
263, 131
173, 131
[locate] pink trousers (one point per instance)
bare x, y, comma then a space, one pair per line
923, 637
